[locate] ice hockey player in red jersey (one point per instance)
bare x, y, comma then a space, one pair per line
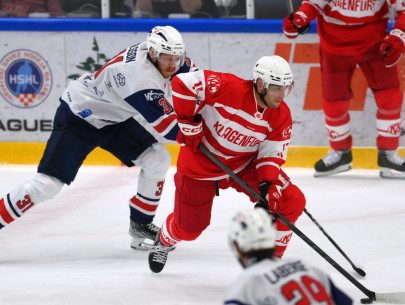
355, 33
266, 280
247, 125
121, 108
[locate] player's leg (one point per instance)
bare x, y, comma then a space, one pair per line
154, 162
133, 145
385, 86
65, 151
27, 195
291, 206
336, 73
191, 216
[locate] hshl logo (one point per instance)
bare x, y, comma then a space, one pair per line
25, 78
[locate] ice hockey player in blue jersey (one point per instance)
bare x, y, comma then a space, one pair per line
122, 108
268, 280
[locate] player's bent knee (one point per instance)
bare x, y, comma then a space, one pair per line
388, 99
293, 202
155, 161
43, 187
187, 235
335, 109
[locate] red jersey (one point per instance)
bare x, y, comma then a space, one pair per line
351, 27
234, 129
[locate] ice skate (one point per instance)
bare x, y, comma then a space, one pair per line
336, 161
391, 164
158, 256
141, 233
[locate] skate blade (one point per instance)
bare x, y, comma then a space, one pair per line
340, 169
389, 173
140, 244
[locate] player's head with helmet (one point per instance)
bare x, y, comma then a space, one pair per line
272, 76
166, 49
252, 235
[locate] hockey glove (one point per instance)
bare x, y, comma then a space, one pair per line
393, 47
271, 191
294, 24
190, 134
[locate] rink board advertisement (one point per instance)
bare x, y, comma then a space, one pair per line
36, 67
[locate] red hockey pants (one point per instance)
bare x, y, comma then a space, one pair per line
194, 199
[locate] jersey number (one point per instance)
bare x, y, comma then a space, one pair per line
25, 204
160, 185
309, 289
167, 108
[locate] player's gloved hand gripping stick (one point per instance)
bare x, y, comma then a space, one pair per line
295, 23
190, 133
394, 298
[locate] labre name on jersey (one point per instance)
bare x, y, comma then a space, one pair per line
285, 270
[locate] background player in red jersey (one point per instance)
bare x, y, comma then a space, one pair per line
353, 35
121, 108
267, 280
247, 125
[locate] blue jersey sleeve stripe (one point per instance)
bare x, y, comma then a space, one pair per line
146, 102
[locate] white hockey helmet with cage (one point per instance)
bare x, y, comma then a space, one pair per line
165, 39
252, 230
273, 70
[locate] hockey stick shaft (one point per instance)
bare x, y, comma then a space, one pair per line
369, 293
357, 269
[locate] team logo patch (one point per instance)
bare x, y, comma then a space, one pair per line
213, 83
287, 132
25, 78
395, 129
285, 240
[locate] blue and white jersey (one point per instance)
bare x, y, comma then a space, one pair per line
129, 85
284, 282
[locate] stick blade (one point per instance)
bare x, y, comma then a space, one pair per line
393, 298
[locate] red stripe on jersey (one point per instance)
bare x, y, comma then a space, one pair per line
164, 124
183, 107
143, 205
4, 213
241, 121
278, 161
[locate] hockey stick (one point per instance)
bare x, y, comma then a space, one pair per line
355, 268
395, 297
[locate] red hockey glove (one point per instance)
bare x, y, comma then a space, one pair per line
393, 47
190, 133
271, 191
294, 24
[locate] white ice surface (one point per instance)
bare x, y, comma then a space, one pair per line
75, 250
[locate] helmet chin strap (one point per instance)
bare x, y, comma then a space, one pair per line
155, 63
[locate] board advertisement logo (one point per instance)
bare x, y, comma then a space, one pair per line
25, 78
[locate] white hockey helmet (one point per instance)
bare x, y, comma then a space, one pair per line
252, 230
273, 70
165, 39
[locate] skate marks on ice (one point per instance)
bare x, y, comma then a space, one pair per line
75, 248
